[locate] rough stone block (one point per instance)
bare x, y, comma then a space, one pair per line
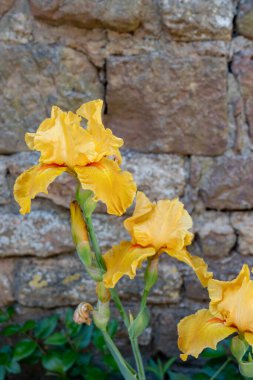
244, 19
214, 233
243, 69
6, 282
4, 188
39, 77
243, 224
198, 20
123, 16
160, 103
224, 183
5, 6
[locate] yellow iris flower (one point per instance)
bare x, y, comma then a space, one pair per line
92, 155
154, 228
230, 311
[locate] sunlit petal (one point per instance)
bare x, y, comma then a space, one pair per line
109, 183
106, 144
199, 331
124, 259
33, 181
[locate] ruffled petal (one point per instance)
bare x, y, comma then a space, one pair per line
199, 331
164, 224
142, 207
222, 290
33, 181
62, 141
124, 259
196, 263
106, 144
109, 183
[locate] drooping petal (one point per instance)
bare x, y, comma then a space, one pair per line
33, 181
142, 207
166, 225
199, 331
225, 291
62, 141
196, 263
109, 183
249, 338
106, 144
124, 259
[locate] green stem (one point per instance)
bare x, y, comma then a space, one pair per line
119, 306
95, 244
138, 359
220, 369
144, 298
127, 373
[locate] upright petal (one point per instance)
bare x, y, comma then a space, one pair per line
109, 183
106, 144
165, 226
218, 290
33, 181
143, 206
62, 141
124, 259
199, 331
196, 263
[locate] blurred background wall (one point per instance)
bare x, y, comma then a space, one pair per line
177, 80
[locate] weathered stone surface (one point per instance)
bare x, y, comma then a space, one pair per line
243, 69
197, 20
124, 16
52, 282
244, 20
40, 233
6, 282
62, 281
159, 103
214, 234
157, 175
243, 224
4, 188
5, 5
39, 77
224, 183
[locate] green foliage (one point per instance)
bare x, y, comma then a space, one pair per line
218, 364
63, 349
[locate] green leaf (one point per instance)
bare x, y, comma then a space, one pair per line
6, 315
57, 339
95, 373
83, 339
2, 372
209, 353
98, 340
139, 323
28, 326
24, 348
168, 364
4, 358
112, 328
178, 376
13, 367
11, 330
200, 376
45, 327
58, 362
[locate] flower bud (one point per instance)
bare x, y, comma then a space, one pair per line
151, 274
82, 313
103, 293
86, 200
238, 347
101, 315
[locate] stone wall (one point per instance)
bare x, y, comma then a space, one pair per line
177, 80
